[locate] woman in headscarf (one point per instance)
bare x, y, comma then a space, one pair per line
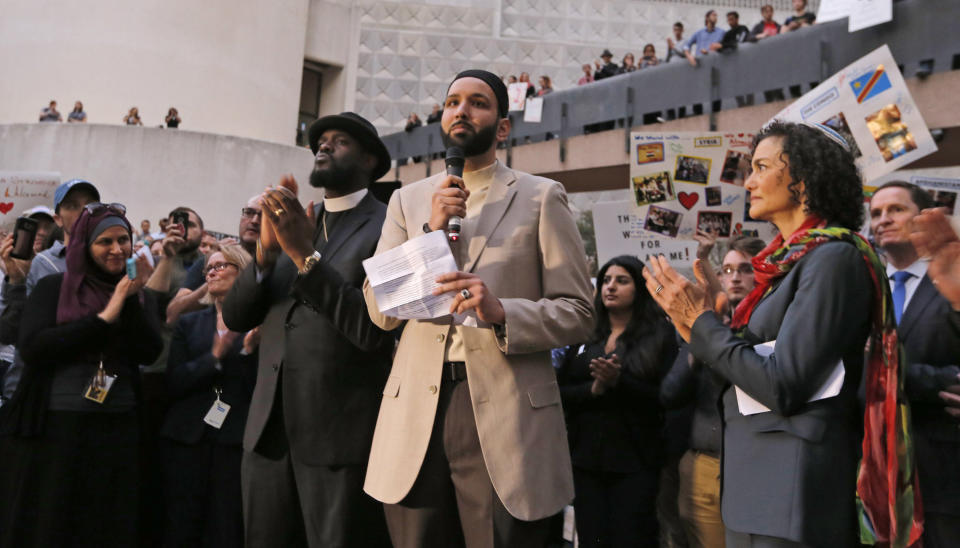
69, 458
792, 419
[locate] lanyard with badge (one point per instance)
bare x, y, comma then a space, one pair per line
99, 385
218, 411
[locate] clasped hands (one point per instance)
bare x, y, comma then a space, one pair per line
684, 301
285, 225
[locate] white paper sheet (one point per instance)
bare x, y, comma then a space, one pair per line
403, 277
867, 13
533, 110
750, 406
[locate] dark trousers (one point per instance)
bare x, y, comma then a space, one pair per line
747, 540
289, 503
202, 492
76, 485
940, 530
614, 509
452, 503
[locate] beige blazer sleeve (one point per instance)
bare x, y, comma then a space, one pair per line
564, 313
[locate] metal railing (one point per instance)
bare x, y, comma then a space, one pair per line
922, 37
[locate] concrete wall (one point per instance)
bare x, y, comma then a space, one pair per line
332, 39
229, 67
153, 170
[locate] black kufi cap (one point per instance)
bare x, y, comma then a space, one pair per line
492, 80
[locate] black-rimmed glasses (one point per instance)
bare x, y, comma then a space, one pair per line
219, 267
249, 212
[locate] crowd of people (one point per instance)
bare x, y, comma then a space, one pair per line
166, 390
707, 40
50, 113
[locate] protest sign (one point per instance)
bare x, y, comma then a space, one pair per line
517, 95
869, 105
21, 190
680, 182
861, 13
533, 110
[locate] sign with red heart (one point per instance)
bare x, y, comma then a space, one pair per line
688, 199
22, 190
5, 207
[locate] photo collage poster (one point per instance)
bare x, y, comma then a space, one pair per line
680, 182
869, 105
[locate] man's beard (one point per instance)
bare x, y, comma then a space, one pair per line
473, 144
336, 176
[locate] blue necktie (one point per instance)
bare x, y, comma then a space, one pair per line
900, 292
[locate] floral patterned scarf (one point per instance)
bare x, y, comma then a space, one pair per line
888, 494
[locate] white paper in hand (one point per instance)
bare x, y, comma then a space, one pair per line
403, 278
749, 406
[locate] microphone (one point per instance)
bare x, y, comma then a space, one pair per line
454, 161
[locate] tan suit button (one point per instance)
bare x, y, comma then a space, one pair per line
440, 337
433, 387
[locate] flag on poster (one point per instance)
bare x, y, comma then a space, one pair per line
871, 84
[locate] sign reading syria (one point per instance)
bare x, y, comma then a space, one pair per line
869, 105
680, 183
20, 191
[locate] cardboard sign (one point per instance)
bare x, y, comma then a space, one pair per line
517, 95
21, 190
861, 13
943, 191
869, 105
533, 110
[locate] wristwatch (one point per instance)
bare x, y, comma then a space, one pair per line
309, 262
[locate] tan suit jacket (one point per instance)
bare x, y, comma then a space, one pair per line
526, 248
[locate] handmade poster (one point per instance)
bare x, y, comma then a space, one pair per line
533, 110
943, 191
869, 105
22, 190
517, 95
861, 13
680, 182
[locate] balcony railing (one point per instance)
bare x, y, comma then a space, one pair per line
922, 36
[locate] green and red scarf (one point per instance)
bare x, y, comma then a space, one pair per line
888, 494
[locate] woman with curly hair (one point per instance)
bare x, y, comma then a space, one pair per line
792, 420
610, 391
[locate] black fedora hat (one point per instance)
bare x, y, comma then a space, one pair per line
361, 130
606, 53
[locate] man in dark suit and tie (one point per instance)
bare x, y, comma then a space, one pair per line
323, 363
932, 348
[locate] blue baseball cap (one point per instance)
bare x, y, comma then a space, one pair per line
66, 187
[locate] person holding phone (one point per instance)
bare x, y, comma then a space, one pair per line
70, 434
610, 392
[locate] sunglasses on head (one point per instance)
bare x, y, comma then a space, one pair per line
96, 208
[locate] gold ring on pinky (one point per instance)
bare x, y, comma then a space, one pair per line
658, 289
465, 293
277, 212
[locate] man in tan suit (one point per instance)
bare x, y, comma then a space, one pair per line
470, 445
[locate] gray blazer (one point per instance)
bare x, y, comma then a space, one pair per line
791, 472
316, 329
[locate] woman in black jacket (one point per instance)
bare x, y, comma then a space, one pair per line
69, 459
610, 392
211, 373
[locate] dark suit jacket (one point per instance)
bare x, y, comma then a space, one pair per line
316, 329
791, 472
191, 375
932, 347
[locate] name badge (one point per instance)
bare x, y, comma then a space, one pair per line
218, 412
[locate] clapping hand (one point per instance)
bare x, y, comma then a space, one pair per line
605, 373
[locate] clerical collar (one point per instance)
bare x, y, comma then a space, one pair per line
343, 203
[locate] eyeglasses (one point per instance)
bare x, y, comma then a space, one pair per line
745, 268
219, 267
249, 212
97, 208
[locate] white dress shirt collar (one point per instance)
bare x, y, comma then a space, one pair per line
918, 269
